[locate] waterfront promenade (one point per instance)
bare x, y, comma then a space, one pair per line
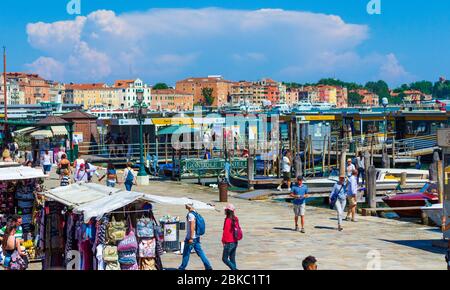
270, 243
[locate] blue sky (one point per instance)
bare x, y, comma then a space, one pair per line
300, 41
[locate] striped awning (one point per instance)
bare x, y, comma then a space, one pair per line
42, 134
25, 130
59, 131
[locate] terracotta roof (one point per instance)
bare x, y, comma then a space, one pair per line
123, 83
52, 120
86, 86
77, 114
169, 92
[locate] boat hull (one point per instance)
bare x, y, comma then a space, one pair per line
417, 199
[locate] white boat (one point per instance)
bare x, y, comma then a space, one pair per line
304, 106
435, 212
385, 176
282, 108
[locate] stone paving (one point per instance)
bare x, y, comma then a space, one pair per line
270, 242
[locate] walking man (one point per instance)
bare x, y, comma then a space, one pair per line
350, 167
360, 165
286, 170
352, 194
299, 192
195, 227
338, 200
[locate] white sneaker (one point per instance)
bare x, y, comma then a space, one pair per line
279, 188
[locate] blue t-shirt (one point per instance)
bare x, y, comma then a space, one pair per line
300, 191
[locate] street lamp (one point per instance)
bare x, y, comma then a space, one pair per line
140, 110
385, 102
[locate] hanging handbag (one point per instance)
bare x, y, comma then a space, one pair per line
116, 231
127, 258
145, 228
110, 254
112, 266
129, 242
147, 248
147, 264
18, 262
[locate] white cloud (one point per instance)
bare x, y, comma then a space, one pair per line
392, 71
174, 43
47, 67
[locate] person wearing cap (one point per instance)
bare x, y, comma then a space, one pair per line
81, 175
299, 192
339, 195
286, 169
350, 167
231, 235
352, 193
192, 241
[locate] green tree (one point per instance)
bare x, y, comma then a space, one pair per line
441, 90
425, 87
354, 99
207, 94
160, 86
380, 88
336, 82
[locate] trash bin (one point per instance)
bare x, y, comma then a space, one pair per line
223, 192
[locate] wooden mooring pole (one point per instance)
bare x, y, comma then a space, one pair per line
371, 187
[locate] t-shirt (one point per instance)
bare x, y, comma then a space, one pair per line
46, 159
18, 234
190, 218
286, 164
299, 191
350, 169
352, 187
360, 161
64, 181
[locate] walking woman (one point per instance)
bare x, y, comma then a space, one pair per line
232, 234
129, 177
10, 244
46, 162
338, 200
64, 164
111, 175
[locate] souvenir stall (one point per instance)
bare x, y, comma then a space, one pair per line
93, 227
20, 193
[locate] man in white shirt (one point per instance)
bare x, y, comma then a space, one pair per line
286, 170
350, 168
352, 195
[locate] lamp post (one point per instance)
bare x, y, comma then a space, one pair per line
140, 110
385, 102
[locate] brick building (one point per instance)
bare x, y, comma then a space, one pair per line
171, 100
220, 89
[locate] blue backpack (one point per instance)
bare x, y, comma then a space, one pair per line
130, 177
200, 225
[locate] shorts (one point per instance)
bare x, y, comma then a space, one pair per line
286, 176
299, 209
351, 200
47, 168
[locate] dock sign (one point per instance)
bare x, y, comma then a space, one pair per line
443, 137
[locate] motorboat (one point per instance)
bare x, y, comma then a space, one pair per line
426, 196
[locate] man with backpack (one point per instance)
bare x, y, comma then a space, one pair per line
195, 227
